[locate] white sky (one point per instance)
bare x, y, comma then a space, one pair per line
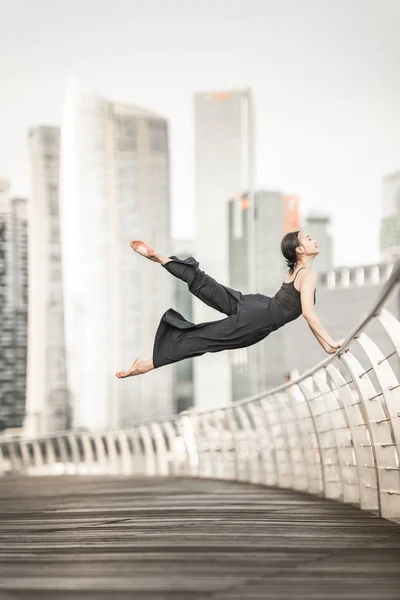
324, 74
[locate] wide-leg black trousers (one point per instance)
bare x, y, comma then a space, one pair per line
250, 318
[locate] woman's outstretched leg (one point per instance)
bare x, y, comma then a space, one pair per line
139, 367
201, 285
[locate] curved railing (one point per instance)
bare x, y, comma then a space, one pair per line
333, 432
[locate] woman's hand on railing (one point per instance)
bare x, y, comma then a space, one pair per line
332, 348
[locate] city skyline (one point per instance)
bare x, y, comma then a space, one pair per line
323, 78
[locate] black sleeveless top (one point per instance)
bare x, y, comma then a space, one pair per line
288, 299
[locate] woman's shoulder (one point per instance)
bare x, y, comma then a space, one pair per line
309, 275
303, 272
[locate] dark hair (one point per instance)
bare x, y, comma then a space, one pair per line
288, 248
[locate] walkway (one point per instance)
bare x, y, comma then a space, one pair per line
120, 538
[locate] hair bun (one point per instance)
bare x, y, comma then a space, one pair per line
289, 245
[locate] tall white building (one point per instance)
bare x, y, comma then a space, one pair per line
47, 405
223, 163
114, 188
13, 307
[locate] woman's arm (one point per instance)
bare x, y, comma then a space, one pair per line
307, 289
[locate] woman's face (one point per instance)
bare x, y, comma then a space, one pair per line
310, 246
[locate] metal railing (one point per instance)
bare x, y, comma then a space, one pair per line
333, 432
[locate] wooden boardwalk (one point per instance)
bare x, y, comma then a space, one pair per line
166, 538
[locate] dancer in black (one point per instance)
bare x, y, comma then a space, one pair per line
250, 317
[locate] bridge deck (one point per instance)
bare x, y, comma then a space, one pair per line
161, 539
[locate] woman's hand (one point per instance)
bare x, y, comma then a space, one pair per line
334, 347
330, 350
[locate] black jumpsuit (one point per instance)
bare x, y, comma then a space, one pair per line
250, 317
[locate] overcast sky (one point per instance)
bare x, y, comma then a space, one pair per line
324, 73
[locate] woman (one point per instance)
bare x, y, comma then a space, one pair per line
250, 317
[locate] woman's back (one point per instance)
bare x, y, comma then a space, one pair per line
288, 298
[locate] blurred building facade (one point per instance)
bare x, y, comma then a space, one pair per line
223, 168
183, 302
390, 223
13, 307
48, 406
317, 225
114, 188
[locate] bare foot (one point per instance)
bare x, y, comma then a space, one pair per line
139, 367
143, 249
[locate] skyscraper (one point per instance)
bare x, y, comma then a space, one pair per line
390, 223
317, 225
13, 307
114, 188
224, 165
48, 406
